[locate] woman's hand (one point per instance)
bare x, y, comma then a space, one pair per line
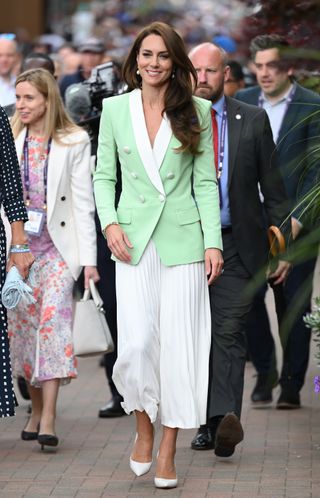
213, 263
118, 242
22, 261
90, 272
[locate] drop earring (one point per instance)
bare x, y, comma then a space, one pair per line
173, 75
138, 72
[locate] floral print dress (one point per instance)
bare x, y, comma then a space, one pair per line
41, 333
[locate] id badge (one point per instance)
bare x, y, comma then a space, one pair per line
35, 223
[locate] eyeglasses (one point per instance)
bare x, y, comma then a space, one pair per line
8, 36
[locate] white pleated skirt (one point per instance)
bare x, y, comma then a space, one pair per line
164, 336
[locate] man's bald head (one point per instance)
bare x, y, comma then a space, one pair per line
8, 56
210, 62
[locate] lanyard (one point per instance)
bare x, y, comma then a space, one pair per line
221, 139
26, 171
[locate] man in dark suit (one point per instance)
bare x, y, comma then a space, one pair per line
244, 151
294, 114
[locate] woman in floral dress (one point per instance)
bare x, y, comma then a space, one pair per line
55, 167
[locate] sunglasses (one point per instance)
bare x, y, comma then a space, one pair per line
8, 36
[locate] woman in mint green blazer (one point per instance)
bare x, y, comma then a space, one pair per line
165, 236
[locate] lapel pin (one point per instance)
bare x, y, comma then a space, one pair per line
238, 116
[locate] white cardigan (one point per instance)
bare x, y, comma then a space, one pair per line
70, 203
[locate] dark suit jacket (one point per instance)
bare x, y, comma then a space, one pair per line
70, 79
252, 161
297, 144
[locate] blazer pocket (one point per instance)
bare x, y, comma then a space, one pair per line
187, 216
124, 216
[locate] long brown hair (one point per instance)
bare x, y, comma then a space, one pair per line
57, 122
178, 102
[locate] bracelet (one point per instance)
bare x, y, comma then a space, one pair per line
20, 246
109, 225
18, 251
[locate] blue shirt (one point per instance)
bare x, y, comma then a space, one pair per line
276, 112
225, 209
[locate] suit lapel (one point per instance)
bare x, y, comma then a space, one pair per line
19, 144
55, 168
290, 117
162, 140
235, 120
56, 165
151, 160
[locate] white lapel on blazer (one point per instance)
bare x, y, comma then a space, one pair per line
55, 168
162, 140
19, 144
150, 160
56, 164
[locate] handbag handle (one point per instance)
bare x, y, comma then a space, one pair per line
93, 292
276, 241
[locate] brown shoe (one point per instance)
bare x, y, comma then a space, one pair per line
228, 435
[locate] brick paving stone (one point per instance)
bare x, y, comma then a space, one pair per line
279, 495
85, 494
193, 494
222, 486
219, 494
64, 491
38, 491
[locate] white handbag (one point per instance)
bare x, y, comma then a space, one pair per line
91, 334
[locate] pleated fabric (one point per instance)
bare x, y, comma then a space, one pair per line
164, 334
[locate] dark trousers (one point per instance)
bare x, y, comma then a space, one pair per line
295, 336
106, 287
230, 305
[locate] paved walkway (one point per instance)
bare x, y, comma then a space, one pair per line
279, 457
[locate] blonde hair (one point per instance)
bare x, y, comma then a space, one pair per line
57, 121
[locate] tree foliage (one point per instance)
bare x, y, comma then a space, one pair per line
298, 20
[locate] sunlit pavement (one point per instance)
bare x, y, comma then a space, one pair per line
279, 457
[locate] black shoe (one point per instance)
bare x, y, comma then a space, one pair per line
204, 439
29, 436
23, 388
289, 399
229, 434
262, 391
47, 440
112, 409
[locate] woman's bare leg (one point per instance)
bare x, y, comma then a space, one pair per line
50, 389
36, 408
165, 461
142, 450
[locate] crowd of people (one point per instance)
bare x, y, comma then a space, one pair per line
192, 168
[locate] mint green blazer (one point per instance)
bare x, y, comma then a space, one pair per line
156, 200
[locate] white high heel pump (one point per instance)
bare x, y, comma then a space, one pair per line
161, 482
139, 468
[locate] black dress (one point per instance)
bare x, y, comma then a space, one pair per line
11, 197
